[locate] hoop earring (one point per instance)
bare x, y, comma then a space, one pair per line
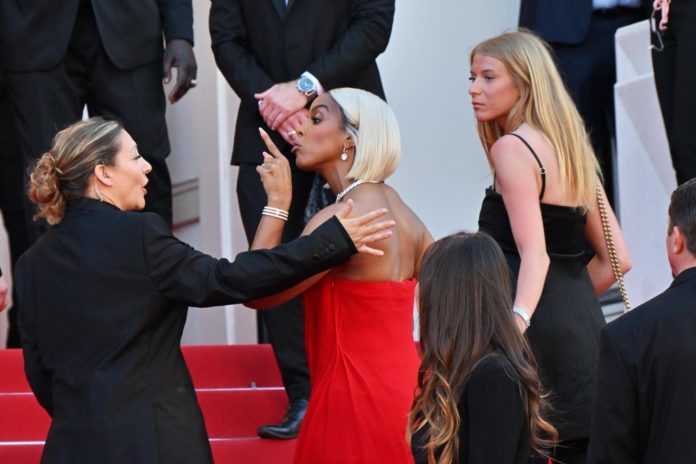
344, 155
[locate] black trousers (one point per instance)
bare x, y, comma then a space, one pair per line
589, 72
675, 79
284, 324
11, 202
46, 101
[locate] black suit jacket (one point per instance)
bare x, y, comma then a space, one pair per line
645, 411
34, 35
257, 44
104, 299
561, 21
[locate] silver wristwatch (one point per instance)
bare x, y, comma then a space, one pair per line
306, 86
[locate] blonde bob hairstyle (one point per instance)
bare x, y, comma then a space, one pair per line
62, 174
374, 129
545, 105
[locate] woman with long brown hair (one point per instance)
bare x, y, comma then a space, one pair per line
479, 396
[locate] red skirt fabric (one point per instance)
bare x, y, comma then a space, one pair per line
363, 366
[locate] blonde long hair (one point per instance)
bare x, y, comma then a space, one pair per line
545, 105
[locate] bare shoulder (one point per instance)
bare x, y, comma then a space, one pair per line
507, 149
321, 217
512, 159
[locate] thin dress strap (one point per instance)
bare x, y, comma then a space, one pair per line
541, 166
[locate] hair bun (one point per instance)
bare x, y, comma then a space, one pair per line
44, 189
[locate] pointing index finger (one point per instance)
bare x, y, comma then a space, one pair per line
275, 152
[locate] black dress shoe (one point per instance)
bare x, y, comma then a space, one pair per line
289, 426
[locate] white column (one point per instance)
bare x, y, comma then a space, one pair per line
644, 168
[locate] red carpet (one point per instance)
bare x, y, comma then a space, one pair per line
238, 387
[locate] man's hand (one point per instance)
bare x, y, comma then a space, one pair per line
291, 126
361, 229
179, 54
279, 102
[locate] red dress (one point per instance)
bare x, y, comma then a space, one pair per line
363, 367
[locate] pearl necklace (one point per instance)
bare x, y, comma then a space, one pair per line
344, 192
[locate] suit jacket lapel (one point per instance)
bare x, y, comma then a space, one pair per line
280, 7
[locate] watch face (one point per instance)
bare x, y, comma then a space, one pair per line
305, 84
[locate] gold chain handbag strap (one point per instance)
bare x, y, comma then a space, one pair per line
611, 249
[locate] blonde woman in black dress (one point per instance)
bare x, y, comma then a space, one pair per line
542, 211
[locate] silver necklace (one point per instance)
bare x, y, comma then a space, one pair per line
344, 192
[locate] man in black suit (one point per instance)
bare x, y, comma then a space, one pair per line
581, 33
675, 74
278, 55
645, 409
59, 56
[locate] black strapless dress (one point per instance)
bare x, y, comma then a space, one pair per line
565, 329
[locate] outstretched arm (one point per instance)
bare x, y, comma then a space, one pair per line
362, 231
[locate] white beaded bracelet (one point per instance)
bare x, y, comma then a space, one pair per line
275, 212
523, 314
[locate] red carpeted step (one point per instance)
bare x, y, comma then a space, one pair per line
12, 368
228, 413
22, 418
222, 375
232, 366
21, 453
252, 451
238, 413
225, 451
211, 367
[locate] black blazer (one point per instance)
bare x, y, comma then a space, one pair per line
257, 44
493, 425
645, 411
34, 35
561, 21
104, 298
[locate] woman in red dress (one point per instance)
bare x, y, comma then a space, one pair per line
359, 316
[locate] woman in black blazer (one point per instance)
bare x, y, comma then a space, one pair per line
105, 294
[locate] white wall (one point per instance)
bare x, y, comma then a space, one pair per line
425, 70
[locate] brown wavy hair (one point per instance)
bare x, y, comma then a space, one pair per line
465, 313
62, 173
